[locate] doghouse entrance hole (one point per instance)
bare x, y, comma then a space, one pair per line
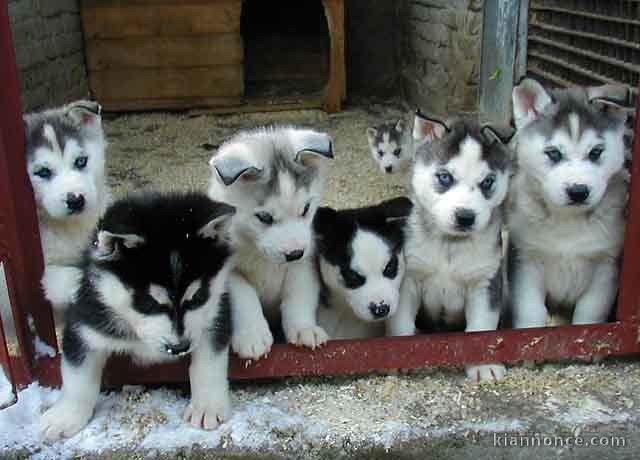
287, 48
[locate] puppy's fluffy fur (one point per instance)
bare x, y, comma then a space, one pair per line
275, 177
361, 261
567, 202
453, 242
65, 150
154, 287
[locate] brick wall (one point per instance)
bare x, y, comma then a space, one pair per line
47, 36
440, 54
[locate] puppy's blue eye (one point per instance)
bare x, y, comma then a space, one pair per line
488, 182
553, 154
265, 217
306, 209
596, 153
391, 270
397, 152
445, 178
44, 173
352, 279
80, 162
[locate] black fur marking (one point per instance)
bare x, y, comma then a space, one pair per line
73, 347
335, 230
390, 129
222, 328
495, 290
63, 128
494, 153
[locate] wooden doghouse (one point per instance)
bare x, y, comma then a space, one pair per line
231, 55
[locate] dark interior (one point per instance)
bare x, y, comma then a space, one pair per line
286, 48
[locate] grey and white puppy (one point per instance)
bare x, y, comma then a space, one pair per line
275, 177
65, 150
453, 243
391, 146
153, 287
566, 211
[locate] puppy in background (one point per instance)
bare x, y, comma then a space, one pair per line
154, 287
65, 149
361, 262
391, 147
275, 177
453, 245
566, 209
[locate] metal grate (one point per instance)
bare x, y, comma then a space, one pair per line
585, 42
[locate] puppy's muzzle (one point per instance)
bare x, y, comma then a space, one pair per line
465, 219
294, 255
578, 193
177, 349
75, 203
379, 310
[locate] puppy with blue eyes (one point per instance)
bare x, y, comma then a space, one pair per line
453, 242
361, 262
275, 176
65, 150
566, 209
391, 147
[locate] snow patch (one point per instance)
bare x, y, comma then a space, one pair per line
6, 390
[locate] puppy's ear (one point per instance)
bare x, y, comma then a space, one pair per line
219, 223
86, 114
496, 133
310, 147
529, 100
428, 130
230, 168
107, 245
324, 221
615, 100
371, 135
400, 125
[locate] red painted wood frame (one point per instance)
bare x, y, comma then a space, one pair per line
20, 248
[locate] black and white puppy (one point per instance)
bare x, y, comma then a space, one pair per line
154, 287
275, 177
453, 242
391, 146
361, 262
566, 207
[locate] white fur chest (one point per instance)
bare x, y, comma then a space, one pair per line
445, 270
266, 277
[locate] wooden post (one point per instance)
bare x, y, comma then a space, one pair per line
335, 90
499, 37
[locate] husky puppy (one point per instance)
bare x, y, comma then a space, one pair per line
391, 147
566, 210
275, 177
361, 263
65, 150
154, 287
453, 238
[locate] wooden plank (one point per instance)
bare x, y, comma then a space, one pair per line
134, 105
158, 52
520, 66
386, 353
111, 19
335, 90
222, 81
500, 29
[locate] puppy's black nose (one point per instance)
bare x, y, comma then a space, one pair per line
465, 218
379, 310
177, 348
578, 193
75, 203
294, 255
389, 169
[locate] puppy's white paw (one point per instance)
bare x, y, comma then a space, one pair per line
486, 372
63, 420
208, 413
312, 336
252, 342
